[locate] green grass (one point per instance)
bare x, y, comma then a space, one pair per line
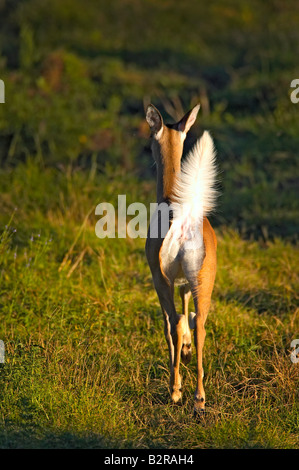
86, 361
77, 77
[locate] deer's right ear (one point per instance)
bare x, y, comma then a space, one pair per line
188, 120
154, 120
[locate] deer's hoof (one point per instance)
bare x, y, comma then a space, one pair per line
199, 407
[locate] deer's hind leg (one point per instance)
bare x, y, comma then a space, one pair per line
174, 329
202, 300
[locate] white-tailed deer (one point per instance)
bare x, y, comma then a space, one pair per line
186, 254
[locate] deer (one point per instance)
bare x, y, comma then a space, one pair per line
185, 255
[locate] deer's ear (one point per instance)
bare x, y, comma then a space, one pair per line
154, 119
188, 120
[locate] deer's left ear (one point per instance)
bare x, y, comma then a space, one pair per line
188, 120
154, 119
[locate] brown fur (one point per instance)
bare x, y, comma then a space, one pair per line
171, 152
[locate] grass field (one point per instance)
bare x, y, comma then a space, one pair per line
86, 362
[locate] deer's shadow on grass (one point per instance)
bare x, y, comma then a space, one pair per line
33, 438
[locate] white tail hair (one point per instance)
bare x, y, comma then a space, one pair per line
194, 189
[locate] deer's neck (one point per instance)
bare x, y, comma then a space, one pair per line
168, 167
